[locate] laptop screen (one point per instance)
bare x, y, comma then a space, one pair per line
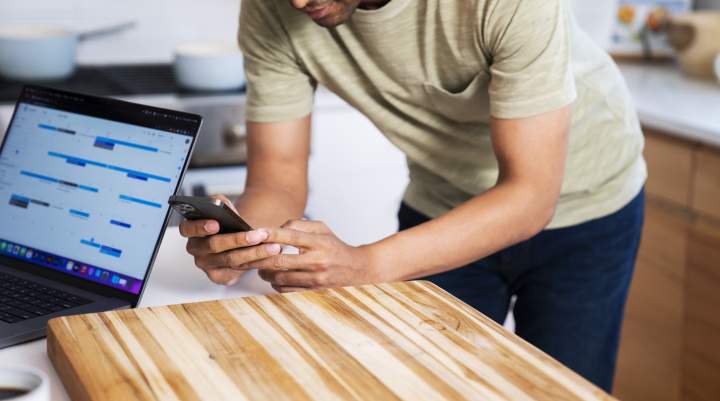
84, 184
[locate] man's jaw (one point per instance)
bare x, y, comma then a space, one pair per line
328, 14
320, 12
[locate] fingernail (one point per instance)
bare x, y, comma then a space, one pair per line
273, 249
211, 226
256, 236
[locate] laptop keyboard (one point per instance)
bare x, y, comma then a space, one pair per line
22, 299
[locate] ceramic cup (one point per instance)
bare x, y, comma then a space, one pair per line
32, 384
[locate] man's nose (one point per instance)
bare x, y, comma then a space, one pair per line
299, 3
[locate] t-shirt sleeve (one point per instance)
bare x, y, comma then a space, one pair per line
529, 46
278, 88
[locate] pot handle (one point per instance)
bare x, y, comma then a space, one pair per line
110, 30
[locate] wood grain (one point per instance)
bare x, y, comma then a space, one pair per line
670, 163
403, 341
706, 183
701, 359
650, 357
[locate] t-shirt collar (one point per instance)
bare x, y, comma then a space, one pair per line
383, 13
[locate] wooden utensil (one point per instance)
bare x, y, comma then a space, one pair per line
404, 341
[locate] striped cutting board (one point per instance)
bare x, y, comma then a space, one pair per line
404, 341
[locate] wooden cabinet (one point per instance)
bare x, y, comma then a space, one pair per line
701, 356
669, 163
651, 347
706, 183
670, 345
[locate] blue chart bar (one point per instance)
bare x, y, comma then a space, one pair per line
90, 243
104, 249
19, 201
137, 177
110, 251
83, 162
79, 213
58, 181
140, 201
139, 174
56, 129
109, 143
99, 143
24, 202
120, 223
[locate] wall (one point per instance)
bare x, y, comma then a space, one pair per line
161, 24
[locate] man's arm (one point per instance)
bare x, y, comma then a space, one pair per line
276, 186
531, 153
275, 191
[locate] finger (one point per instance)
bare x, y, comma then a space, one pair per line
226, 242
288, 289
295, 238
308, 226
295, 279
199, 228
223, 276
283, 262
226, 201
239, 258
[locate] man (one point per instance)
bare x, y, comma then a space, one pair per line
523, 149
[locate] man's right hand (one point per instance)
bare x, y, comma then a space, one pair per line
220, 255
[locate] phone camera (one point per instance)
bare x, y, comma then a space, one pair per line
187, 208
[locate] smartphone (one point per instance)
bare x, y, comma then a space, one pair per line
203, 208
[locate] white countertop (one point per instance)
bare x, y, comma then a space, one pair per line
174, 279
670, 102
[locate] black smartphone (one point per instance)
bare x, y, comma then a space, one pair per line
202, 208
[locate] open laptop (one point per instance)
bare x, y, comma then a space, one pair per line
84, 184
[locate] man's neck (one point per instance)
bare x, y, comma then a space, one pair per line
372, 4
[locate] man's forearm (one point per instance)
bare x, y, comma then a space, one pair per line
276, 187
501, 217
264, 206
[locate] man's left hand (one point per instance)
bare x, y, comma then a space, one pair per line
323, 261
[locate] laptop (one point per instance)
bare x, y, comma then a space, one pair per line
84, 184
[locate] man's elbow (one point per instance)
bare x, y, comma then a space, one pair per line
539, 217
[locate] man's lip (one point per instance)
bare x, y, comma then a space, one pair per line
320, 12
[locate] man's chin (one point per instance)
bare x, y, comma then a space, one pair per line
336, 18
329, 22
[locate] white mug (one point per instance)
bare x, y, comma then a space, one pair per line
33, 382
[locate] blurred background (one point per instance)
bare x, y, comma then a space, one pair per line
666, 49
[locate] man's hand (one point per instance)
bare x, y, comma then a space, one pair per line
220, 255
324, 260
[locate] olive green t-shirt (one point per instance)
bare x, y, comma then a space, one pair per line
431, 73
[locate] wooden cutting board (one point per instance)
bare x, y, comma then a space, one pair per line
404, 341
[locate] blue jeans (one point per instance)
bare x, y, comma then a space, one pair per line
571, 286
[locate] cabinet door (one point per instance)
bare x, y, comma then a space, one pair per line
669, 163
649, 362
706, 183
701, 356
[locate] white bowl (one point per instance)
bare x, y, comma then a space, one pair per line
209, 67
30, 379
37, 53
